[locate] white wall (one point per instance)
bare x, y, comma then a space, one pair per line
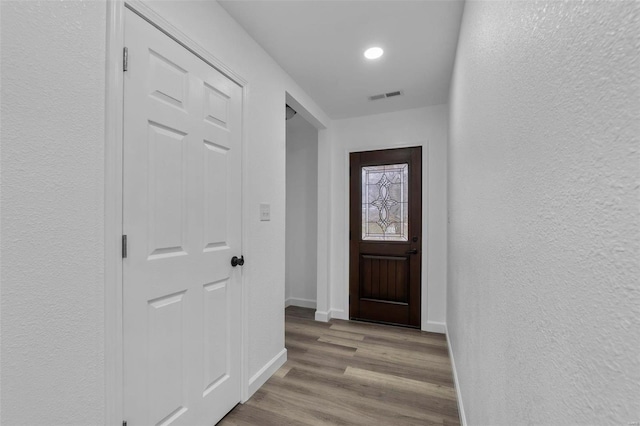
426, 127
53, 94
302, 213
544, 246
52, 99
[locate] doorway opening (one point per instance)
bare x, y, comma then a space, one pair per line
301, 211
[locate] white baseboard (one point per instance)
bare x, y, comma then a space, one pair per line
338, 314
435, 327
463, 417
302, 303
323, 316
267, 371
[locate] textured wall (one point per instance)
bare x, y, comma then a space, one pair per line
426, 127
302, 211
52, 243
544, 246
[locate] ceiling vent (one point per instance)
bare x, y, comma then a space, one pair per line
385, 95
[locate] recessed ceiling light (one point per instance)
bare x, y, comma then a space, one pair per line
373, 53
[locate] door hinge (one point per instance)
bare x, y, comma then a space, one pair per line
349, 235
125, 59
124, 246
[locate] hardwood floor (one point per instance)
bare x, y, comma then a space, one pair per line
352, 373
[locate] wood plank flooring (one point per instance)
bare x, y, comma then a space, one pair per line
351, 373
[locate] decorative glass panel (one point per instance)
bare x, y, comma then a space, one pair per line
385, 202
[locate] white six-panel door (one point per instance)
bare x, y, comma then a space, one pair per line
181, 215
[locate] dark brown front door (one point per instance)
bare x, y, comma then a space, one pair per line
385, 247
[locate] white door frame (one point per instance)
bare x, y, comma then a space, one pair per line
113, 195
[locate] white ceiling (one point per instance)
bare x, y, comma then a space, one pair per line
320, 43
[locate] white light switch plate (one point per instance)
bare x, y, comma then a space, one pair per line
265, 211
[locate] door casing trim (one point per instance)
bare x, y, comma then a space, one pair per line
114, 121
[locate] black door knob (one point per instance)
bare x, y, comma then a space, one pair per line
235, 261
412, 251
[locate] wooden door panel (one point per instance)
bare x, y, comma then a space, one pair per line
384, 278
383, 311
216, 106
167, 80
215, 184
166, 318
386, 236
167, 199
216, 330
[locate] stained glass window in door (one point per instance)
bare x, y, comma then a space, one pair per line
385, 202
